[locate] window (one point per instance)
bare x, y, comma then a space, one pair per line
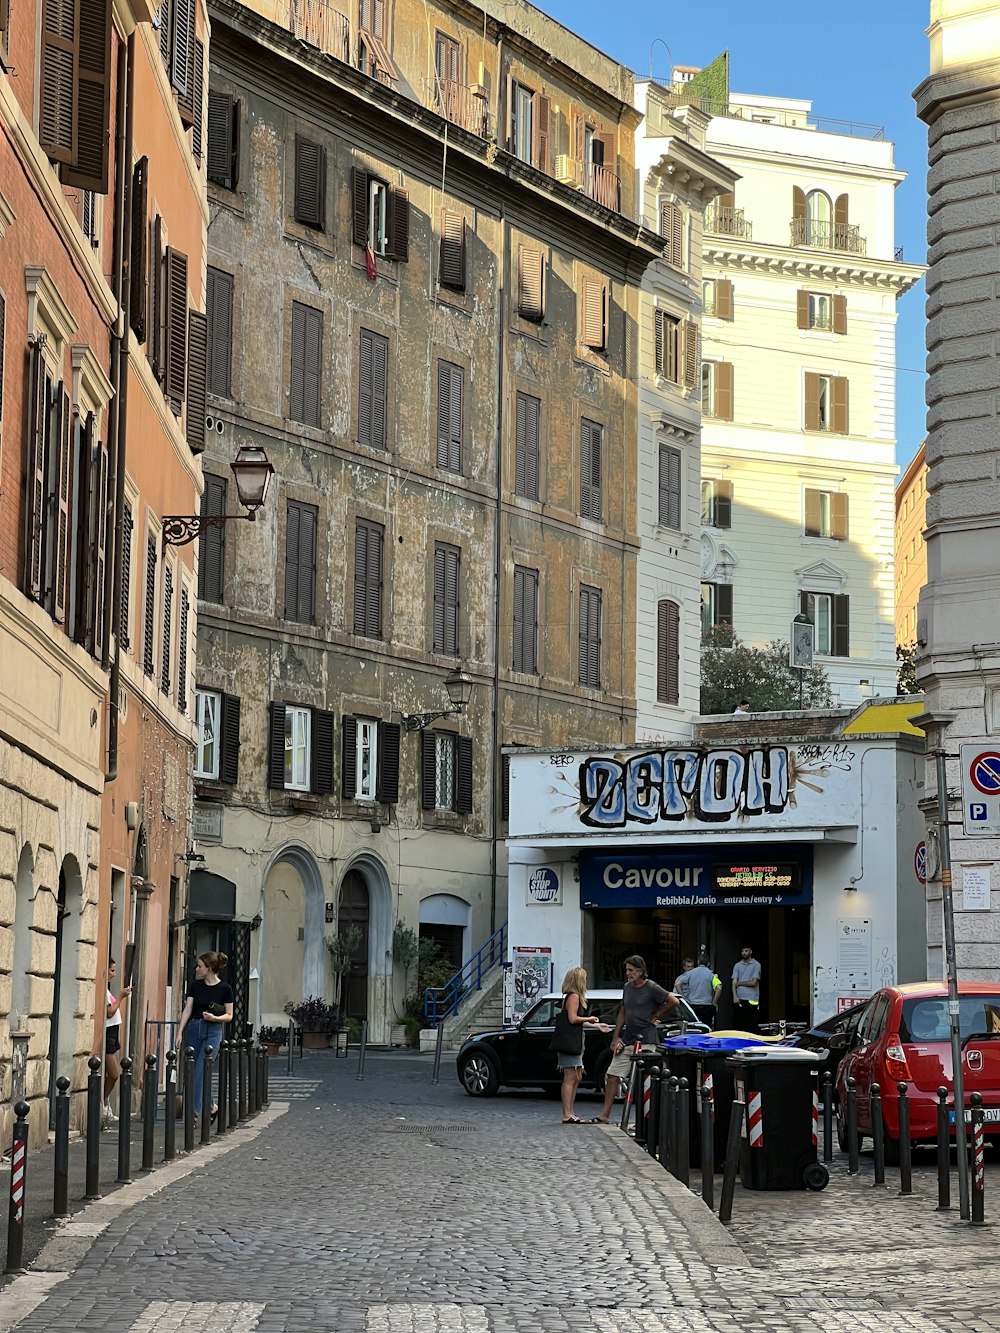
452, 265
446, 772
367, 760
381, 216
594, 333
310, 183
374, 362
716, 607
207, 717
708, 294
371, 760
447, 566
300, 562
669, 488
300, 749
591, 446
818, 218
590, 637
75, 89
668, 332
826, 514
717, 297
451, 381
830, 614
212, 542
672, 231
530, 283
525, 647
529, 413
717, 390
821, 310
717, 503
297, 748
522, 135
197, 381
306, 360
223, 140
369, 541
667, 652
219, 308
373, 54
178, 49
826, 403
139, 249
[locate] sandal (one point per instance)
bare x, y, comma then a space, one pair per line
573, 1120
596, 1120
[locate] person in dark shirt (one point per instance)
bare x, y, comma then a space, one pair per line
208, 1007
644, 1003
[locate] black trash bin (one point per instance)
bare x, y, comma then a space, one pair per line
696, 1057
646, 1060
778, 1150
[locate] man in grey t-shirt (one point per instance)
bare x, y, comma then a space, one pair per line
746, 990
701, 991
644, 1003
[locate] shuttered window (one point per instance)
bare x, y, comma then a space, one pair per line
446, 772
300, 749
672, 231
716, 503
149, 610
369, 541
830, 614
373, 382
128, 524
667, 329
716, 607
526, 442
667, 652
212, 542
138, 296
595, 314
310, 183
723, 299
60, 57
300, 562
826, 403
451, 382
197, 127
223, 139
826, 514
306, 357
89, 170
197, 373
219, 303
452, 272
591, 448
590, 637
525, 645
447, 566
182, 651
182, 55
669, 487
168, 616
370, 760
217, 721
692, 354
175, 313
530, 283
717, 389
57, 537
35, 480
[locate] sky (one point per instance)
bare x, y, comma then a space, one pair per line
859, 60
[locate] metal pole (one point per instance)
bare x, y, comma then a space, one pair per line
732, 1161
653, 1122
438, 1048
943, 1153
853, 1165
877, 1135
252, 1066
827, 1117
234, 1087
170, 1109
684, 1133
189, 1099
673, 1124
125, 1123
206, 1095
978, 1166
663, 1129
265, 1061
94, 1102
60, 1182
707, 1148
225, 1067
362, 1050
905, 1148
18, 1182
148, 1111
241, 1069
291, 1045
948, 909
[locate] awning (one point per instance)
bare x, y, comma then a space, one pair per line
211, 897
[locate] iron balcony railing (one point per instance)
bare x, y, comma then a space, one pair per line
844, 236
603, 186
722, 220
789, 119
460, 104
319, 24
442, 1001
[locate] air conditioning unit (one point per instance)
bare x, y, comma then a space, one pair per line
568, 170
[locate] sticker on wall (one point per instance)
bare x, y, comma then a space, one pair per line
532, 978
976, 887
544, 886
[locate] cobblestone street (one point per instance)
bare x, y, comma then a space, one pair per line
393, 1206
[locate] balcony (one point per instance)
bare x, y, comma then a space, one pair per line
319, 24
461, 105
842, 236
722, 220
596, 181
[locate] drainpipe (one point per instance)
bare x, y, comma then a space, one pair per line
498, 572
119, 372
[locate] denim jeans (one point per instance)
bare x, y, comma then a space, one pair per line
199, 1034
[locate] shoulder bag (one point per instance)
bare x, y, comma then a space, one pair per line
567, 1037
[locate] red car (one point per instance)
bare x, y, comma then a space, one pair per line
903, 1037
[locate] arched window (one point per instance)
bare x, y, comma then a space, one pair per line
819, 218
667, 653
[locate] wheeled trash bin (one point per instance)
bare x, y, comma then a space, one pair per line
700, 1056
778, 1149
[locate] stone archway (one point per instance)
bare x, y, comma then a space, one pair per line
292, 965
380, 922
67, 983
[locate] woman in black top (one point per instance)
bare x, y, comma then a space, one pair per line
208, 1007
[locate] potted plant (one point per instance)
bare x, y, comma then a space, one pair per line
272, 1039
317, 1019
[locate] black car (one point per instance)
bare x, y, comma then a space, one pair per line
519, 1057
834, 1035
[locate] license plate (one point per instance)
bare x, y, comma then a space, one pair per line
991, 1115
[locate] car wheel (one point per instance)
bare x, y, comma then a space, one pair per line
842, 1141
478, 1075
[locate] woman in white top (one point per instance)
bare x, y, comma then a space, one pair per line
112, 1041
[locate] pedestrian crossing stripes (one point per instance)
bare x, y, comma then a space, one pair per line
290, 1089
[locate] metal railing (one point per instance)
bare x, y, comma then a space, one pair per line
319, 24
442, 1001
602, 185
722, 220
843, 236
789, 119
460, 104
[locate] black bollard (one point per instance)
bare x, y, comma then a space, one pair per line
225, 1074
258, 1090
60, 1180
205, 1109
663, 1128
18, 1185
653, 1117
438, 1051
732, 1161
241, 1058
125, 1123
234, 1088
905, 1147
943, 1153
878, 1135
978, 1191
853, 1163
148, 1111
707, 1147
189, 1108
684, 1133
94, 1104
641, 1106
265, 1094
827, 1117
362, 1050
170, 1109
252, 1062
669, 1159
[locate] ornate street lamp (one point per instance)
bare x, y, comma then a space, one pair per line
253, 471
459, 687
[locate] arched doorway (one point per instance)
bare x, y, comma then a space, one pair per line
445, 919
24, 907
292, 960
366, 882
354, 914
66, 978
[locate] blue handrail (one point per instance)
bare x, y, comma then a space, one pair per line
442, 1001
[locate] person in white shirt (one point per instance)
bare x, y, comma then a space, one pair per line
742, 707
112, 1042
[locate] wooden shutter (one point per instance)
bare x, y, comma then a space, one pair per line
229, 731
723, 298
428, 770
841, 625
590, 637
182, 651
58, 77
35, 474
96, 610
175, 311
724, 604
149, 610
723, 504
798, 204
669, 487
154, 348
306, 358
349, 758
359, 204
505, 787
839, 422
840, 314
814, 513
197, 124
724, 390
692, 354
186, 99
802, 309
517, 656
672, 231
368, 579
300, 562
398, 240
89, 171
541, 113
163, 20
219, 307
530, 283
595, 304
591, 441
449, 417
181, 47
194, 423
212, 543
659, 321
276, 748
168, 615
321, 752
452, 266
379, 389
667, 652
387, 777
139, 257
128, 524
840, 211
297, 375
310, 183
528, 411
812, 401
223, 139
839, 515
57, 542
463, 775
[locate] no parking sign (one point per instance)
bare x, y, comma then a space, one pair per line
980, 790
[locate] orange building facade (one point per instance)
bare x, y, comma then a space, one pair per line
911, 553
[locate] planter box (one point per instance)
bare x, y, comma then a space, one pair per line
316, 1041
397, 1035
428, 1040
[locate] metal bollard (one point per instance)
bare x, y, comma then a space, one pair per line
438, 1049
878, 1135
241, 1070
265, 1095
732, 1161
853, 1164
362, 1050
170, 1109
291, 1045
225, 1074
653, 1117
683, 1172
905, 1147
252, 1062
943, 1153
206, 1095
663, 1128
18, 1184
673, 1124
630, 1095
707, 1147
827, 1117
60, 1179
125, 1123
978, 1191
234, 1087
640, 1103
92, 1187
189, 1099
148, 1111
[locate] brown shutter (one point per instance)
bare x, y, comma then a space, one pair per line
168, 612
182, 651
840, 217
541, 114
96, 608
530, 283
197, 123
839, 415
197, 380
180, 48
149, 610
838, 515
452, 272
297, 364
219, 309
723, 298
723, 504
93, 98
59, 566
223, 139
692, 354
310, 183
814, 516
35, 474
399, 226
841, 625
212, 545
658, 320
359, 198
840, 314
667, 652
139, 260
175, 312
802, 309
463, 775
727, 200
126, 594
724, 390
812, 401
163, 20
58, 79
595, 296
154, 340
798, 204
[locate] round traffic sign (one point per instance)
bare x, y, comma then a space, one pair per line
985, 773
920, 862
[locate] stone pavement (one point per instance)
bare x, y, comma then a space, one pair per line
394, 1206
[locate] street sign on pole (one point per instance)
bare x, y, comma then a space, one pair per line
801, 643
980, 790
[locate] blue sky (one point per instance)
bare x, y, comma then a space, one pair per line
859, 60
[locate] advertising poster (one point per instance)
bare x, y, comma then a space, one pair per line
532, 978
976, 888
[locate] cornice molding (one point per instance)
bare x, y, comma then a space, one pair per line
694, 174
671, 429
834, 267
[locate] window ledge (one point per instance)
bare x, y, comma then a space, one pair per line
208, 789
303, 801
